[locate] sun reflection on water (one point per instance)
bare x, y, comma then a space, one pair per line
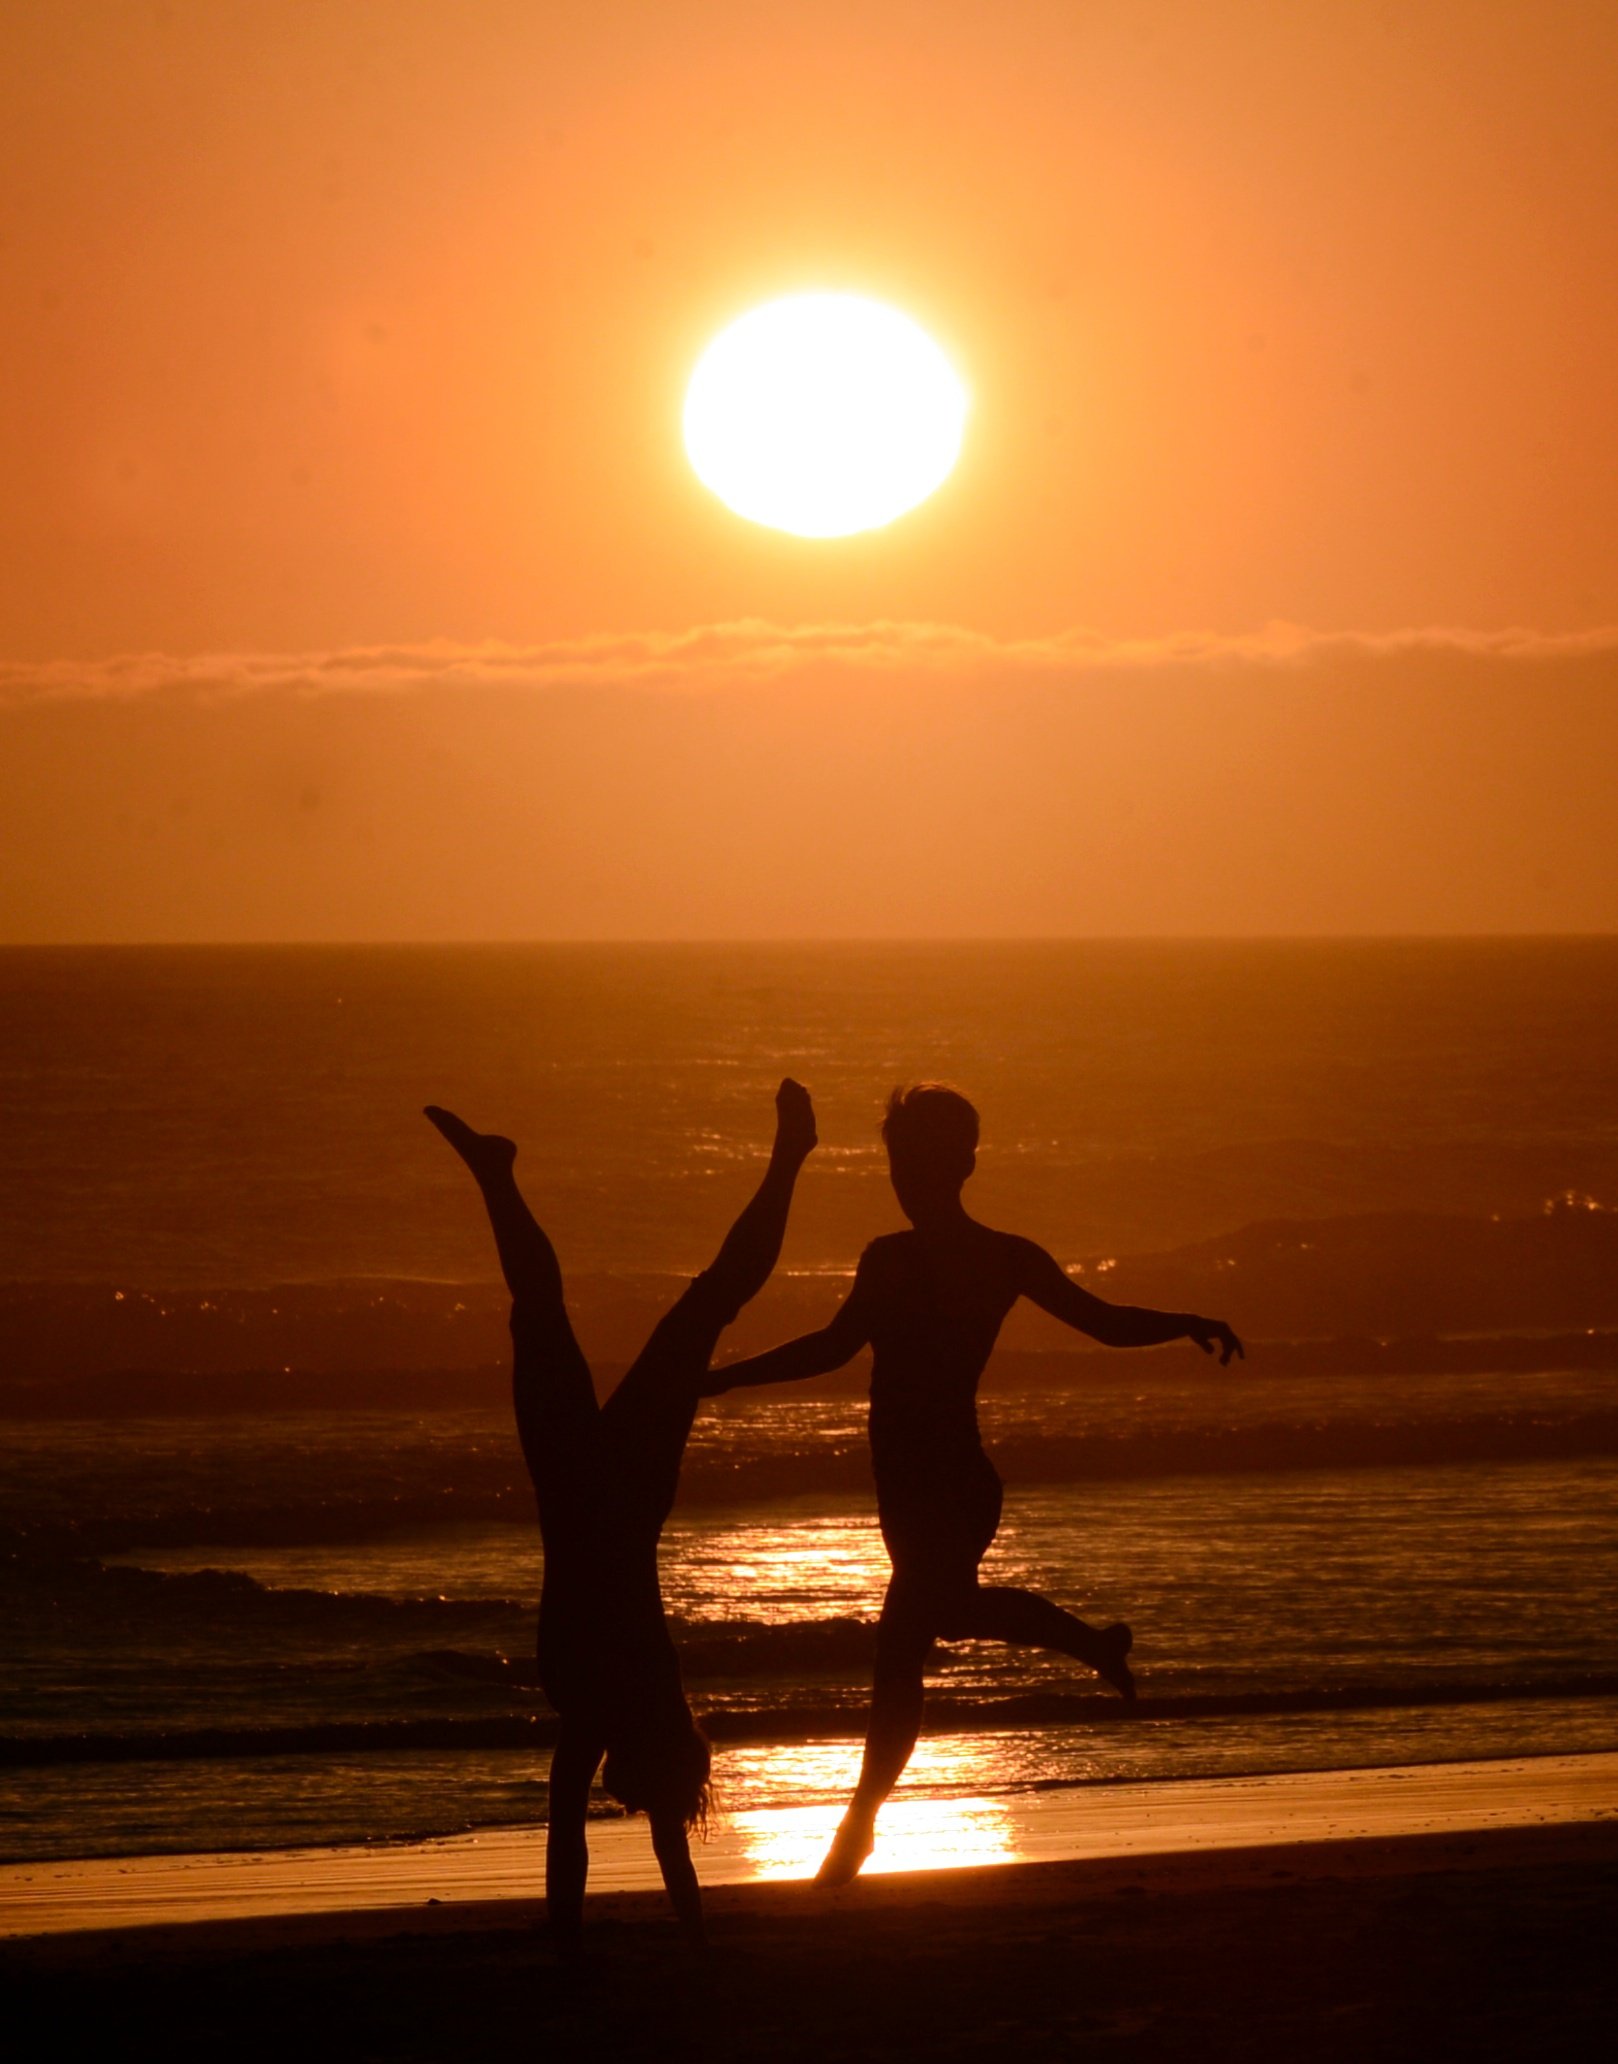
804, 1565
939, 1820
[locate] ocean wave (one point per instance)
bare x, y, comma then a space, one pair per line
746, 1470
78, 1585
1375, 1275
824, 1718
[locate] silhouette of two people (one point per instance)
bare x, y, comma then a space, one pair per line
930, 1303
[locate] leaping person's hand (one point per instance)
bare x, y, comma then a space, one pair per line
1213, 1335
794, 1119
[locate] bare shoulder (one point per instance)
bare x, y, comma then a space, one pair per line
1015, 1246
1025, 1260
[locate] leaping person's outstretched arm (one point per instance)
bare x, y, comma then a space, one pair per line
1044, 1282
811, 1354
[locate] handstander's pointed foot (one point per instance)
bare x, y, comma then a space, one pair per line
851, 1845
795, 1136
485, 1153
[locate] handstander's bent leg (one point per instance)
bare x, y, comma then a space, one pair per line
682, 1343
752, 1247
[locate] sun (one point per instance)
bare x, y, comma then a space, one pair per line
824, 414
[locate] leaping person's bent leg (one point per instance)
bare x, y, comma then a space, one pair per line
1001, 1612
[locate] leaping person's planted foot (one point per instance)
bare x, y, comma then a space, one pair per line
485, 1153
851, 1845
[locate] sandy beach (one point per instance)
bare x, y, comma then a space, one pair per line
918, 1836
1454, 1911
1492, 1945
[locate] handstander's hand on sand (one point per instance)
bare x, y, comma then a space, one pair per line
485, 1153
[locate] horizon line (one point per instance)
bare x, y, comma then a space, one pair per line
718, 940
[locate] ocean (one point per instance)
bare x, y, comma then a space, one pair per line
269, 1562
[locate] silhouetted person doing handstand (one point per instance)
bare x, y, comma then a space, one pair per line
930, 1303
605, 1478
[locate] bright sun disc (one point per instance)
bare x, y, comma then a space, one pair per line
823, 414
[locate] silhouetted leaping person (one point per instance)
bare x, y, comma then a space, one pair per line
930, 1303
605, 1478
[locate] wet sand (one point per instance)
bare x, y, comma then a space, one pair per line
919, 1835
1378, 1928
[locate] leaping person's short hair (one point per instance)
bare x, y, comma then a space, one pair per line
931, 1124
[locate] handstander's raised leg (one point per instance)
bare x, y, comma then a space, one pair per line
558, 1423
551, 1386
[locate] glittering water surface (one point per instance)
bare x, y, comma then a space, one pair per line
254, 1615
1284, 1621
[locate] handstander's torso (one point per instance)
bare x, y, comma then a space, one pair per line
604, 1640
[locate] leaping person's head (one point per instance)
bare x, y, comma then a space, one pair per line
931, 1134
660, 1763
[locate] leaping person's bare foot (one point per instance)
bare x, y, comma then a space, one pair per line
487, 1154
795, 1134
851, 1844
1115, 1643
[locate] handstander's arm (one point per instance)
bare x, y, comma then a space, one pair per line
1119, 1325
673, 1850
567, 1859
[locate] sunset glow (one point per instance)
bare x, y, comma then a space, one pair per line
824, 414
918, 1832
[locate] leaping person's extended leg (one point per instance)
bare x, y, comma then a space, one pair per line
1001, 1612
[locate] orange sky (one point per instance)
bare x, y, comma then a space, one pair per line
347, 328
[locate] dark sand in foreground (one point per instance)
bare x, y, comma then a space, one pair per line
1475, 1945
